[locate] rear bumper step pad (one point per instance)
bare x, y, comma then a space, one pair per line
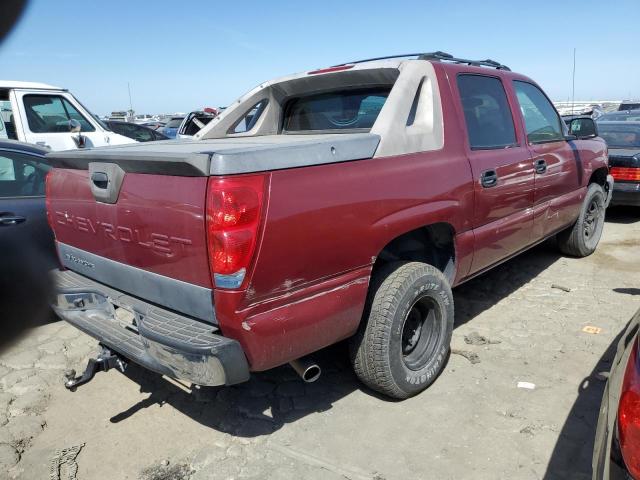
158, 339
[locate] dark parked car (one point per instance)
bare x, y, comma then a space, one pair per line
23, 169
629, 105
171, 127
623, 139
139, 133
616, 454
628, 116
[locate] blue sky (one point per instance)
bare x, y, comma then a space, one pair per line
179, 56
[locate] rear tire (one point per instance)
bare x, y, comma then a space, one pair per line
581, 239
403, 343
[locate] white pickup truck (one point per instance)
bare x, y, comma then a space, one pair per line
51, 117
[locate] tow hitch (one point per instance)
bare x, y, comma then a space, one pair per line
102, 363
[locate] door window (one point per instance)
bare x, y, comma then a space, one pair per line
51, 114
540, 117
486, 112
21, 175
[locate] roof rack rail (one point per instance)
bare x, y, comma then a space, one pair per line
437, 56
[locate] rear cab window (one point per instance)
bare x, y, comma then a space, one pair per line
542, 122
353, 110
52, 113
620, 135
486, 112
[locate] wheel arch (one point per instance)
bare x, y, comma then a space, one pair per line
599, 176
433, 244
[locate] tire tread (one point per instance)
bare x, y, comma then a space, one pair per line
369, 349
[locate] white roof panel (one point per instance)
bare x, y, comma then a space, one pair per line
31, 85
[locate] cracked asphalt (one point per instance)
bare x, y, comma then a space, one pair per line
474, 422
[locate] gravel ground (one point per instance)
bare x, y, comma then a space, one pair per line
522, 322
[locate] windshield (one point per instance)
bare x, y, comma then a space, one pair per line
620, 136
174, 123
341, 110
94, 116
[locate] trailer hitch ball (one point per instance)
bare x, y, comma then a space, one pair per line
102, 363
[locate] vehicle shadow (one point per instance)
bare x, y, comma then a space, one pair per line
273, 398
623, 214
258, 407
483, 292
627, 291
573, 451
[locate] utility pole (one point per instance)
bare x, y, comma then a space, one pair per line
130, 104
573, 83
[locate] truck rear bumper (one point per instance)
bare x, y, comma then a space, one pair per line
626, 194
158, 339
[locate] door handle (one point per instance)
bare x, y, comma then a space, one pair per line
489, 179
540, 165
10, 219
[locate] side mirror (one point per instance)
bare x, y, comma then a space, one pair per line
74, 126
583, 128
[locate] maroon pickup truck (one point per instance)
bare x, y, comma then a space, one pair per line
340, 203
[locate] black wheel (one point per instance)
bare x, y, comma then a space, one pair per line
403, 343
581, 239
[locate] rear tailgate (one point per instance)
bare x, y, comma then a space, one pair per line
150, 242
133, 217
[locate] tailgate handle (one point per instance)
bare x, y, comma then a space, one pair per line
100, 179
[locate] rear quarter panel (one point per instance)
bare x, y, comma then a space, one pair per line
324, 228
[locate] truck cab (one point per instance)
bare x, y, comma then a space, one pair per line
50, 117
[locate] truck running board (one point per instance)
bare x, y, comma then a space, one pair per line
102, 363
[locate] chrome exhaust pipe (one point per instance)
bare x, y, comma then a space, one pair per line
308, 370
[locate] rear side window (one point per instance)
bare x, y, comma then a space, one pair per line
341, 110
250, 118
540, 117
51, 114
21, 175
486, 112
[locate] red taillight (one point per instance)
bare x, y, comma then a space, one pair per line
234, 212
629, 415
47, 199
631, 174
